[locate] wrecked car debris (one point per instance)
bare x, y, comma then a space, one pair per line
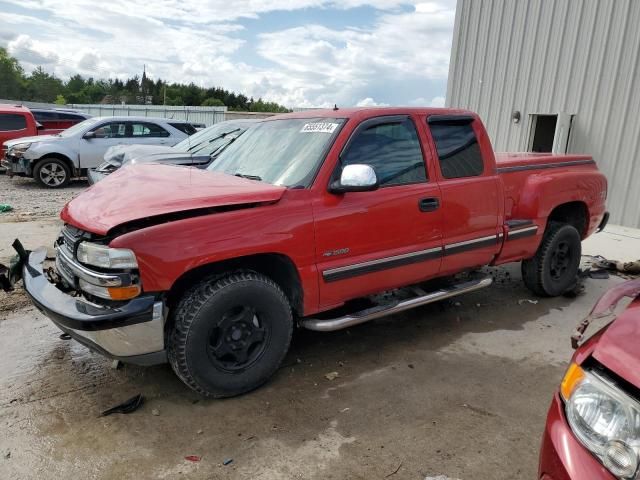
605, 307
126, 407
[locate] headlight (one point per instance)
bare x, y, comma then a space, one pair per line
105, 257
605, 420
19, 149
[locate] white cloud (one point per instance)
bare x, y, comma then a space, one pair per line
437, 102
370, 102
200, 41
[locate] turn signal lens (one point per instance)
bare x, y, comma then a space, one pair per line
124, 293
571, 380
111, 293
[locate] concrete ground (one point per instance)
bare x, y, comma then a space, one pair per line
458, 389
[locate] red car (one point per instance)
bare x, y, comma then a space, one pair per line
55, 120
305, 220
593, 425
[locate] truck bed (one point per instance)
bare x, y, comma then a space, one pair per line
522, 161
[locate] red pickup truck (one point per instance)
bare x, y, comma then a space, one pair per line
16, 121
306, 219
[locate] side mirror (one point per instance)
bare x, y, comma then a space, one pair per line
356, 178
39, 126
89, 135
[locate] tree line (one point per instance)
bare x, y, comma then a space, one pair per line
41, 86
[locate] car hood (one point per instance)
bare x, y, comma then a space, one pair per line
37, 138
152, 190
164, 157
125, 153
618, 349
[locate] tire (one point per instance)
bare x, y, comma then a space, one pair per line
230, 334
554, 268
52, 173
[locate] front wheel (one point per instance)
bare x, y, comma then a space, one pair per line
52, 173
230, 334
554, 268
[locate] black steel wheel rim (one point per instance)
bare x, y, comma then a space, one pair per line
239, 339
561, 258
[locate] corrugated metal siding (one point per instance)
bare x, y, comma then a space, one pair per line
550, 56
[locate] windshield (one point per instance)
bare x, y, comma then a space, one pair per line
78, 127
281, 152
212, 139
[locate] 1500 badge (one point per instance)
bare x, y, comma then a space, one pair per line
340, 251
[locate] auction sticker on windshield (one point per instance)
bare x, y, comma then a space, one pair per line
319, 127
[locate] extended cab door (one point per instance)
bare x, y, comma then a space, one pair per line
470, 189
367, 242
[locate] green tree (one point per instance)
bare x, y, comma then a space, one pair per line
60, 100
212, 102
43, 87
12, 81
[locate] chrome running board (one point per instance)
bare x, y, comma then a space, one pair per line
339, 323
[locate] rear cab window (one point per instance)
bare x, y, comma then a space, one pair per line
459, 153
12, 122
391, 147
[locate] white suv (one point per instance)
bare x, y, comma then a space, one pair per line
54, 159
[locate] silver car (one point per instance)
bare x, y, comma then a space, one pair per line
54, 159
198, 150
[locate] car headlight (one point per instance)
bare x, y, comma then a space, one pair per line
105, 257
604, 419
19, 149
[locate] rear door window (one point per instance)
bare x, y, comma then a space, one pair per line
458, 149
392, 149
146, 130
12, 121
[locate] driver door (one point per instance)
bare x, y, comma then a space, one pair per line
91, 150
367, 242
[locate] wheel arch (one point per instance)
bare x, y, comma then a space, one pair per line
59, 156
279, 267
574, 213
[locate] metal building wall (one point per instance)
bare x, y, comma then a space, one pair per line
550, 56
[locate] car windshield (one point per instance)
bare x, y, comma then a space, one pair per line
78, 127
212, 139
281, 152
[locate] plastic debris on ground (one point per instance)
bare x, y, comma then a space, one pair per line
522, 301
4, 207
126, 407
193, 458
331, 375
155, 412
227, 461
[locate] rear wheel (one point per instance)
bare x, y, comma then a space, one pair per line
52, 173
230, 334
554, 268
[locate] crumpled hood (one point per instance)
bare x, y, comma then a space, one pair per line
619, 346
125, 153
143, 191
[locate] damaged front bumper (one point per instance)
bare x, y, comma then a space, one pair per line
16, 165
132, 332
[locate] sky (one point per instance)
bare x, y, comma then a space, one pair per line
299, 53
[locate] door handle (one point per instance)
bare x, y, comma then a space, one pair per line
429, 204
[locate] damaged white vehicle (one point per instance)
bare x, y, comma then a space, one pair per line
54, 159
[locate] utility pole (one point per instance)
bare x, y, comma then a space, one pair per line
144, 77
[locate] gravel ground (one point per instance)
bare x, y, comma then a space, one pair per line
29, 200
